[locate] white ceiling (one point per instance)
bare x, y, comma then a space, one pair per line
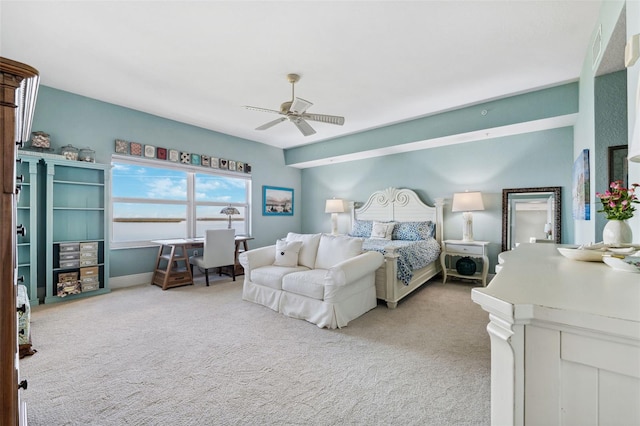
375, 63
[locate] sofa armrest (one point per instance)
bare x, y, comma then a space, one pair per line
256, 258
353, 269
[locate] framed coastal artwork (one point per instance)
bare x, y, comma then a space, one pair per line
277, 201
580, 190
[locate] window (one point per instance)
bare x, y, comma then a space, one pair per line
153, 201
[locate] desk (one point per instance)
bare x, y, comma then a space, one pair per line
172, 264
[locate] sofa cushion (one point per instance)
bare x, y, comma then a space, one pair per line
306, 283
271, 275
287, 253
309, 249
334, 249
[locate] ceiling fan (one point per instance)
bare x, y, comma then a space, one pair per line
295, 111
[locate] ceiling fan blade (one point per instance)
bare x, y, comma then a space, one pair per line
271, 123
262, 109
299, 105
324, 118
303, 126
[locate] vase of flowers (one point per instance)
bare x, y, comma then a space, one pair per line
617, 204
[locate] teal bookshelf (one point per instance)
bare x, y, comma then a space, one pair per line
27, 216
76, 214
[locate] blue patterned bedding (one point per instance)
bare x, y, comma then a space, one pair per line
412, 254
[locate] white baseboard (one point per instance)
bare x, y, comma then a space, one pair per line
130, 280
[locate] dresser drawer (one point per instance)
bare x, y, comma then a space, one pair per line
464, 249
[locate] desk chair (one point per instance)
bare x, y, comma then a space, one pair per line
219, 250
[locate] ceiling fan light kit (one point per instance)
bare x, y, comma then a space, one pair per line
295, 111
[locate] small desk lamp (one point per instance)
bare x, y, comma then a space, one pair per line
467, 202
229, 211
334, 207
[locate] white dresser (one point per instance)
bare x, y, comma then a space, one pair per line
565, 340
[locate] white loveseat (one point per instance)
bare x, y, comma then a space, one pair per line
324, 279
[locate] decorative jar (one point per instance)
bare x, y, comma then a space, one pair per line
87, 154
40, 140
70, 152
617, 232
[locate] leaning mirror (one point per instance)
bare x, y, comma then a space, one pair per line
530, 214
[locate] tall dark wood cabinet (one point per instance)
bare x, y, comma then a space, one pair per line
18, 89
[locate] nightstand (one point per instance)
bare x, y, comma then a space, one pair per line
459, 248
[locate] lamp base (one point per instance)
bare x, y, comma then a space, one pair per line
334, 223
467, 227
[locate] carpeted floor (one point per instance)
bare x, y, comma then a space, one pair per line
200, 355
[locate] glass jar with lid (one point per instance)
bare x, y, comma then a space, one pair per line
87, 154
70, 152
40, 140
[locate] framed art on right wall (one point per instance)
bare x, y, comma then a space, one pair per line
580, 190
618, 164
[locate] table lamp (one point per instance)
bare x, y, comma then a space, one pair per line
334, 207
467, 202
229, 211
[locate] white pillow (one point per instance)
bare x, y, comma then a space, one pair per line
287, 253
382, 230
307, 255
334, 249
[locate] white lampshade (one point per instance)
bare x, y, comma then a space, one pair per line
334, 206
467, 202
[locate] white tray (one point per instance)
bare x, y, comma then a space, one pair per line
584, 255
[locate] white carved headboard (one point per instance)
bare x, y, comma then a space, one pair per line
399, 205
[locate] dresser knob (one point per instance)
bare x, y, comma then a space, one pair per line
21, 279
21, 230
20, 144
23, 385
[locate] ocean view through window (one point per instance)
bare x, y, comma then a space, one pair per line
154, 200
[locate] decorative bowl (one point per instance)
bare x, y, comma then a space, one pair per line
628, 264
584, 255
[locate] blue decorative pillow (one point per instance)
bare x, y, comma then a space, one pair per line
361, 228
413, 231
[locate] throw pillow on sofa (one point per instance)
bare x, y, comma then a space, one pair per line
287, 253
334, 249
309, 249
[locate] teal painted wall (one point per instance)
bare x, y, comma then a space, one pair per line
610, 93
529, 160
81, 121
584, 129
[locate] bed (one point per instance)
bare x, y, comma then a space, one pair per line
399, 206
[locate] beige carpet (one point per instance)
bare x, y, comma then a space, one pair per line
201, 356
